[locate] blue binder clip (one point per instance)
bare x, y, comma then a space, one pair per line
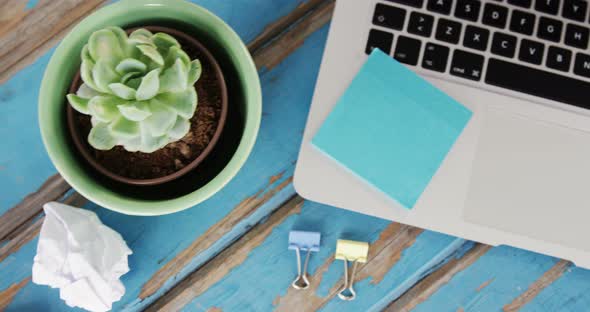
303, 241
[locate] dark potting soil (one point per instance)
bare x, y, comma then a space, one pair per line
175, 155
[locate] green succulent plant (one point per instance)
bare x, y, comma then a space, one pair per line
138, 89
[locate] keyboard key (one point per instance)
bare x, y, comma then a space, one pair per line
558, 58
576, 36
448, 31
420, 24
407, 50
537, 82
522, 22
547, 6
495, 15
476, 38
388, 16
503, 44
549, 29
379, 39
582, 66
531, 51
521, 3
414, 3
468, 9
467, 65
435, 57
575, 9
440, 6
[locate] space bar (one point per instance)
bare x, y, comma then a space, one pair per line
539, 83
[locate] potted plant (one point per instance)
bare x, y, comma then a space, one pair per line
142, 110
151, 112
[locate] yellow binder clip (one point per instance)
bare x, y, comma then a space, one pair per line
355, 252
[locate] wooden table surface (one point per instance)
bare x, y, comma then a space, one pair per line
230, 252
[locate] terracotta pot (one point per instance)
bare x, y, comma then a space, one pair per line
85, 149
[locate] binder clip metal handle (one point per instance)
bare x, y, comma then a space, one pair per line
303, 241
355, 252
301, 281
348, 283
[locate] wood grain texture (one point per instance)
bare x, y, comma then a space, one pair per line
535, 288
8, 294
225, 225
199, 281
268, 57
29, 231
23, 41
431, 283
54, 188
491, 282
274, 30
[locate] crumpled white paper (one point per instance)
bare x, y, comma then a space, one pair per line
81, 256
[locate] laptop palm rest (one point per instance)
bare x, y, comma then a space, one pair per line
530, 178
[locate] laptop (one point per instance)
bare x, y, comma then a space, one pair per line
519, 172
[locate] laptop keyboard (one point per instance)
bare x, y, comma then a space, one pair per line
537, 47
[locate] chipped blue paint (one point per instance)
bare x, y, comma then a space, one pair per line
31, 4
570, 292
509, 272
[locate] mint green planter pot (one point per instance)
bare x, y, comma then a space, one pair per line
245, 106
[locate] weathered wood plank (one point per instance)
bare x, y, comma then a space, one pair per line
269, 57
275, 29
54, 188
570, 292
535, 288
218, 267
490, 282
398, 256
244, 210
27, 34
31, 230
8, 294
431, 283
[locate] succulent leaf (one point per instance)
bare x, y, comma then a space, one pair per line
100, 137
104, 108
104, 44
129, 65
86, 92
122, 91
180, 128
78, 103
174, 78
136, 111
103, 74
150, 84
161, 120
182, 103
194, 72
124, 128
138, 89
164, 41
152, 53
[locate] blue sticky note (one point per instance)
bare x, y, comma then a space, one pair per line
392, 128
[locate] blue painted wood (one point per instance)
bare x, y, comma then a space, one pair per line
507, 271
571, 292
272, 266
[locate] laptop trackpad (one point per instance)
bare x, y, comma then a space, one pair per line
531, 178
